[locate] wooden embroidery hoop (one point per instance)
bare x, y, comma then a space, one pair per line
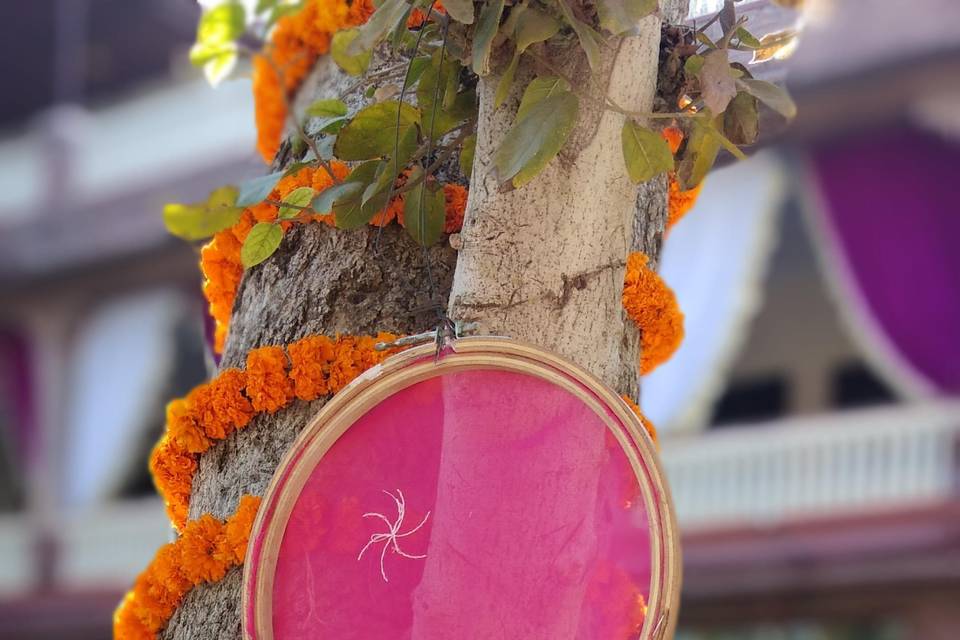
415, 365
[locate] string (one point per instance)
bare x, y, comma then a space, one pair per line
396, 136
442, 320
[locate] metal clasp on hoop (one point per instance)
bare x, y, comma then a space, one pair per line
443, 336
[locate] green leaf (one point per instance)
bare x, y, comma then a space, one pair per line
487, 26
536, 137
329, 125
218, 68
538, 89
462, 106
741, 122
256, 190
699, 155
693, 65
506, 80
622, 16
223, 23
373, 131
387, 172
725, 142
300, 198
747, 39
325, 147
534, 26
467, 152
416, 68
353, 64
202, 220
771, 95
704, 39
261, 243
645, 152
424, 213
589, 39
327, 108
348, 207
387, 16
323, 203
460, 10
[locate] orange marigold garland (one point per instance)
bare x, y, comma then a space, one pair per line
307, 369
220, 258
295, 44
204, 552
679, 201
652, 305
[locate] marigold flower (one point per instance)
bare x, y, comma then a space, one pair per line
155, 606
173, 469
198, 547
679, 201
204, 553
309, 358
238, 528
166, 570
268, 385
456, 198
220, 405
127, 624
184, 429
652, 305
673, 136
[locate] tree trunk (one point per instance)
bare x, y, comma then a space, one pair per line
543, 264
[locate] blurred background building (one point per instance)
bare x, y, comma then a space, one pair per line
811, 430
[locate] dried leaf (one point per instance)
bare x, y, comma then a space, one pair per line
717, 85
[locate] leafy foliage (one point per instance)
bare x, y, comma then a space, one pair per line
399, 137
203, 219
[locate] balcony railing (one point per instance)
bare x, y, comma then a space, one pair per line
863, 460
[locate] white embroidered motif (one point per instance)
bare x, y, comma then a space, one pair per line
390, 537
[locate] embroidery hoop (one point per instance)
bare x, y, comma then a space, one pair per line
415, 365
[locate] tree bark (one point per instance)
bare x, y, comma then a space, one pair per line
543, 264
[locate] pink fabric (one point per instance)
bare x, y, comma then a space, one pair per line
534, 525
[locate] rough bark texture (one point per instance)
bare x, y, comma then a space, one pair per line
545, 263
321, 280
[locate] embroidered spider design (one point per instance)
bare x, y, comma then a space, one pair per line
389, 538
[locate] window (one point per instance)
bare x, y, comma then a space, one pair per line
854, 385
751, 400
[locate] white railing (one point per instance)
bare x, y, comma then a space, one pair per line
806, 467
104, 547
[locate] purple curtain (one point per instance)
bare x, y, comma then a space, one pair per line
890, 224
16, 398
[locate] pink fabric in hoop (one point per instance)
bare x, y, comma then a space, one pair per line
479, 503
